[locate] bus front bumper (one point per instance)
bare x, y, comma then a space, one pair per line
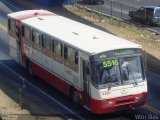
117, 104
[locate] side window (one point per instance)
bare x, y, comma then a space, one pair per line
35, 39
71, 55
65, 52
26, 33
46, 42
76, 57
57, 51
11, 27
58, 48
71, 58
52, 46
46, 45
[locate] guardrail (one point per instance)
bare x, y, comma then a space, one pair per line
120, 11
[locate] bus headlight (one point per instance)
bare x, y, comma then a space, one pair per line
140, 98
108, 103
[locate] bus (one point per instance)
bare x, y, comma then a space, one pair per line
97, 70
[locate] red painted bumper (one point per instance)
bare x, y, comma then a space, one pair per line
128, 102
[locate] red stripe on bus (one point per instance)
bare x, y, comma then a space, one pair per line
52, 79
36, 14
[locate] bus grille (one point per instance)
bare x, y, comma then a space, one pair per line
124, 101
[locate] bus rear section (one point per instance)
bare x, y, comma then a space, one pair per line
118, 81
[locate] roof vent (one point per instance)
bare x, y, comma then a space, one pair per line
94, 37
75, 33
40, 18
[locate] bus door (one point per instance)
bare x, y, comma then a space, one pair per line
85, 77
18, 40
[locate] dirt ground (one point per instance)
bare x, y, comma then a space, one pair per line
10, 108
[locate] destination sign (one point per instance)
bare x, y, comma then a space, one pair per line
116, 53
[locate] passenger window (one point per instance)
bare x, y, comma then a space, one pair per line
33, 36
46, 42
11, 27
65, 52
76, 57
71, 58
35, 39
46, 45
71, 55
52, 45
27, 33
57, 51
58, 48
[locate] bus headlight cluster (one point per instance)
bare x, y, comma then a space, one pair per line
140, 98
108, 103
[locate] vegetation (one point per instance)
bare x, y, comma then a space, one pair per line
149, 40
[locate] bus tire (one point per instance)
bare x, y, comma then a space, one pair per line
29, 68
75, 97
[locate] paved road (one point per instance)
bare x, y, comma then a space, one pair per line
152, 108
138, 3
120, 8
115, 7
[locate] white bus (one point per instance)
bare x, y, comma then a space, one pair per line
100, 71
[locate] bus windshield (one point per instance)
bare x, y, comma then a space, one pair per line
117, 70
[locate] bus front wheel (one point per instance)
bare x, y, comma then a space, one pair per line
75, 97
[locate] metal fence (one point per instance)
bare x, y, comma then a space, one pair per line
121, 11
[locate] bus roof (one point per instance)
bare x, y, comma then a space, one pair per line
75, 34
